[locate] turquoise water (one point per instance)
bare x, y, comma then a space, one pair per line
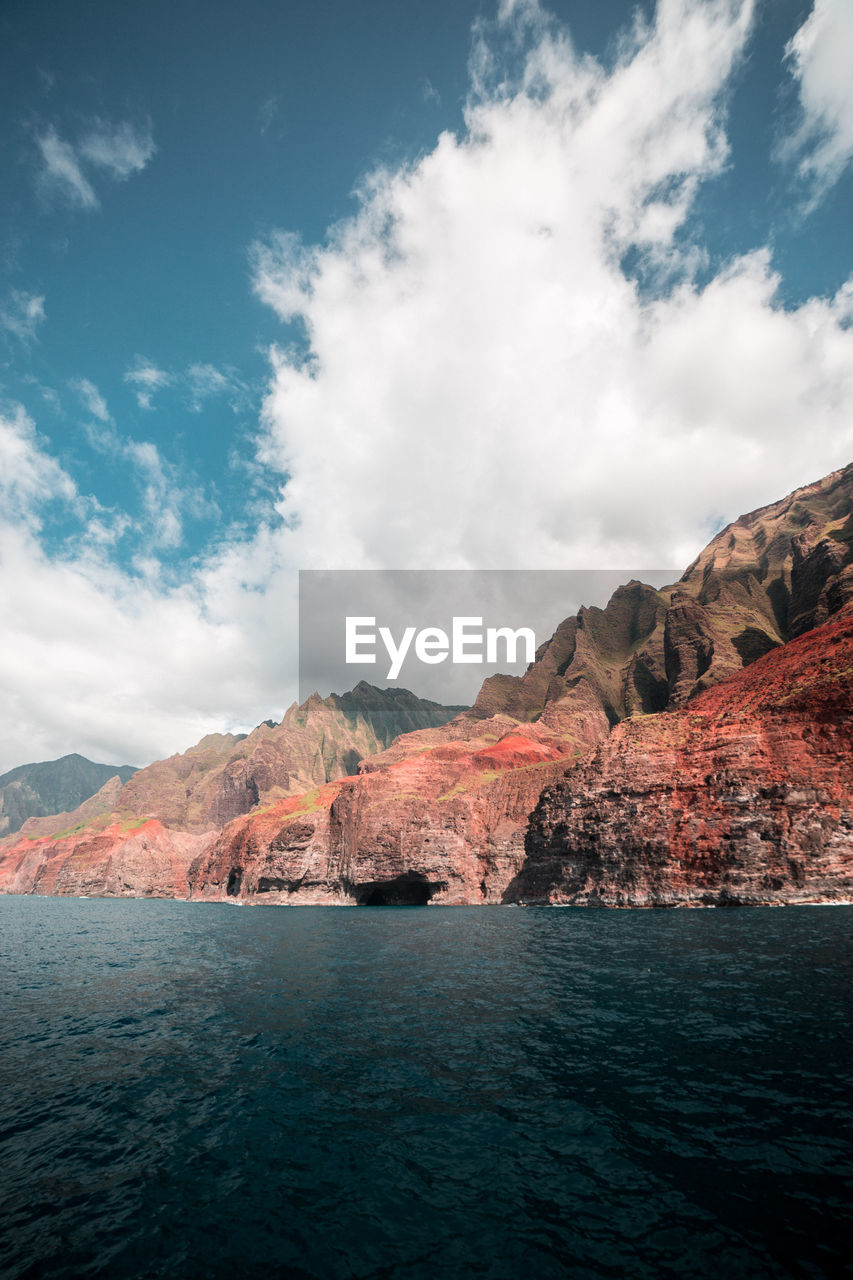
194, 1090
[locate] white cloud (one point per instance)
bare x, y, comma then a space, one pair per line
481, 383
163, 496
22, 313
146, 379
199, 382
485, 385
122, 666
267, 112
92, 400
111, 665
821, 59
29, 476
205, 382
118, 149
62, 174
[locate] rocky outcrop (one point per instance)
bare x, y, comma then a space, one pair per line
121, 860
745, 796
323, 739
444, 826
706, 726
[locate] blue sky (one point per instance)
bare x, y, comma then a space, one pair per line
383, 285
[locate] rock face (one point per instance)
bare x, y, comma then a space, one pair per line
226, 775
744, 796
53, 786
123, 860
445, 825
705, 728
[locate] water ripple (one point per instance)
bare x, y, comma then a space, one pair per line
203, 1092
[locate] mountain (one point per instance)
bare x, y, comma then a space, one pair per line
224, 775
766, 578
323, 739
744, 796
33, 790
683, 745
445, 814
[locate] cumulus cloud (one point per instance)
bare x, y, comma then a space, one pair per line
106, 663
123, 665
483, 383
821, 60
474, 378
22, 313
29, 476
146, 379
118, 150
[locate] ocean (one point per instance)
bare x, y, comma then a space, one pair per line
196, 1090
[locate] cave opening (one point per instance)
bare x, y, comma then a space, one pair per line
408, 890
235, 880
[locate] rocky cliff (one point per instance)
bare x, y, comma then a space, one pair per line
130, 859
690, 745
444, 825
744, 796
225, 775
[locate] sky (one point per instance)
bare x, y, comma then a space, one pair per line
466, 284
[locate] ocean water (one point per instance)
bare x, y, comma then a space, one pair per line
193, 1090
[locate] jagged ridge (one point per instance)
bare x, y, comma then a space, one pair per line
444, 813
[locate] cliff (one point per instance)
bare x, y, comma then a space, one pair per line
444, 825
131, 859
683, 746
225, 775
745, 796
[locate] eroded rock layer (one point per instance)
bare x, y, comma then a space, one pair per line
444, 826
122, 860
705, 728
745, 796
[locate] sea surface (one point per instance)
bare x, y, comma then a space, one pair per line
195, 1090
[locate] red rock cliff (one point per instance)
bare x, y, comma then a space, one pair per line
705, 792
744, 796
446, 825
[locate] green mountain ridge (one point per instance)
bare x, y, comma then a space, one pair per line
52, 786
